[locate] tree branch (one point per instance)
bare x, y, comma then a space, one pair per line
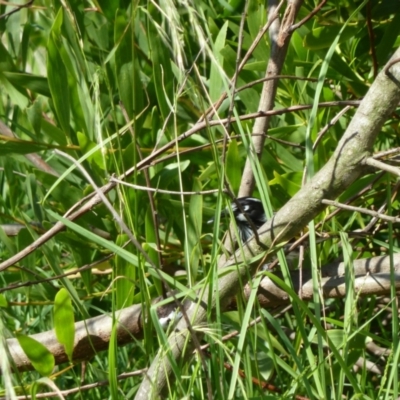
361, 210
93, 335
280, 38
372, 162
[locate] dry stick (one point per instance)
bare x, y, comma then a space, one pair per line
268, 78
205, 146
280, 36
372, 277
344, 167
234, 79
390, 65
266, 104
226, 184
138, 246
308, 17
329, 125
45, 280
360, 210
304, 237
383, 166
210, 112
385, 153
156, 190
113, 212
93, 199
58, 227
16, 9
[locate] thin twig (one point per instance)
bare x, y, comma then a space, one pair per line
308, 17
269, 78
156, 190
382, 166
329, 125
16, 9
386, 153
210, 112
360, 210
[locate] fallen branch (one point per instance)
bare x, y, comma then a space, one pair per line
372, 277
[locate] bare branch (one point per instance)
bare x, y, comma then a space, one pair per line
360, 210
372, 277
16, 9
381, 165
279, 35
309, 16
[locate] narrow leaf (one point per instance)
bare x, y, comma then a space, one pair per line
64, 322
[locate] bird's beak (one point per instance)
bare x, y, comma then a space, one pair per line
223, 214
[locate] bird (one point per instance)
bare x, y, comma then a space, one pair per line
249, 215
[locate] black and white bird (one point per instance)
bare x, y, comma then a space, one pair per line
247, 209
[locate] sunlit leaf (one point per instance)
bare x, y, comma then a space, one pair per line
41, 358
64, 321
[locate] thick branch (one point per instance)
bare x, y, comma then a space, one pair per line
372, 277
93, 335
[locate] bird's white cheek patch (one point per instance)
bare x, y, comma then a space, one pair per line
241, 217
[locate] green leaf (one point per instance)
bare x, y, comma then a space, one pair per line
6, 61
112, 357
34, 83
291, 182
161, 63
233, 166
322, 37
64, 321
128, 256
57, 74
86, 146
3, 301
216, 74
127, 68
125, 274
150, 245
194, 229
40, 357
17, 95
392, 32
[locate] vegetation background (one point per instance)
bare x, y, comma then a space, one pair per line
163, 95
